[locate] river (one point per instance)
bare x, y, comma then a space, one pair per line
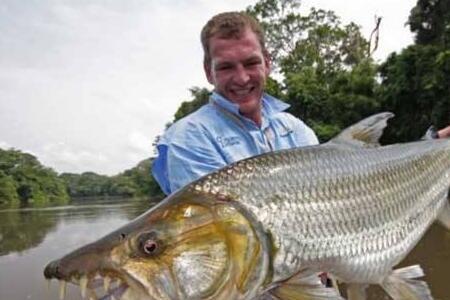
31, 237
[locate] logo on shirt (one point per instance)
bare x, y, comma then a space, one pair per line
286, 132
228, 141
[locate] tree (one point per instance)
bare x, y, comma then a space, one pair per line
415, 82
317, 40
415, 87
34, 184
430, 21
327, 77
8, 192
200, 97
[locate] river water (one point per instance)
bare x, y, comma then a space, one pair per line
30, 238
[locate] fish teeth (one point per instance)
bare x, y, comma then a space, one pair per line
106, 282
91, 294
62, 290
83, 285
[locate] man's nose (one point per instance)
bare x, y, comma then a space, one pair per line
241, 75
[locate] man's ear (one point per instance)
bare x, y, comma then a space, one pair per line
267, 62
208, 71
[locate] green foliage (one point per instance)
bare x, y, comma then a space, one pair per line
200, 95
415, 86
131, 183
144, 182
430, 21
328, 78
8, 191
24, 180
415, 83
86, 184
316, 40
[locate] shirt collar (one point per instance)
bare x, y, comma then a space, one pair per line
270, 105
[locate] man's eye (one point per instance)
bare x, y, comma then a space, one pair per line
253, 63
224, 67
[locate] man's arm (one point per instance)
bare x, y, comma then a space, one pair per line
185, 154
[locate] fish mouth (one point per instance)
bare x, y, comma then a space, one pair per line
98, 285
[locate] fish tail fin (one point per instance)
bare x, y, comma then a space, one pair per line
444, 216
305, 285
402, 285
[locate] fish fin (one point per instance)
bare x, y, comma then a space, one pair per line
305, 285
356, 291
430, 134
444, 216
365, 133
402, 285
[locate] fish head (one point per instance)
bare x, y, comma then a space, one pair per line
190, 246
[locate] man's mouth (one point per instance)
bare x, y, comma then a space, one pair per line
242, 92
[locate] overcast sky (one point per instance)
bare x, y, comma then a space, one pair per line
87, 85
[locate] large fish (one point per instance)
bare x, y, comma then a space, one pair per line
262, 228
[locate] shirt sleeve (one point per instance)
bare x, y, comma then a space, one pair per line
185, 155
304, 135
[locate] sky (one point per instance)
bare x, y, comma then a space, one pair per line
87, 85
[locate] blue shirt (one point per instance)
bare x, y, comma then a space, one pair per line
217, 134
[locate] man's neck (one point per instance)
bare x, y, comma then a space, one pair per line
255, 117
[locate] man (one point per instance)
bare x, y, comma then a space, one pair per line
240, 120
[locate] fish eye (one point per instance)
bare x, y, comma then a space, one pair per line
149, 244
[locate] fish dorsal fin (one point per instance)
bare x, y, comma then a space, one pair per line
305, 285
365, 133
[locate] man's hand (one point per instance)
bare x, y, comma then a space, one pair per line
444, 132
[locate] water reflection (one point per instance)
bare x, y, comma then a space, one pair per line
21, 230
30, 238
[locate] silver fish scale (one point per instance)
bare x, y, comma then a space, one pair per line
353, 212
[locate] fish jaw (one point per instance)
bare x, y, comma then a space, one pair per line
190, 246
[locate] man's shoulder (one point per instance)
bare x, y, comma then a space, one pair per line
290, 123
192, 124
288, 118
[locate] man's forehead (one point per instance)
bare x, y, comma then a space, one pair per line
244, 43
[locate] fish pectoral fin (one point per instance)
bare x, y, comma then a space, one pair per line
305, 285
365, 133
444, 216
402, 285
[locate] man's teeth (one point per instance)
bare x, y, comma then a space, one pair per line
242, 92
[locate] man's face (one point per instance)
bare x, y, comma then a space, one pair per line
238, 71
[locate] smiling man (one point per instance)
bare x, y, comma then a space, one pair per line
240, 120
